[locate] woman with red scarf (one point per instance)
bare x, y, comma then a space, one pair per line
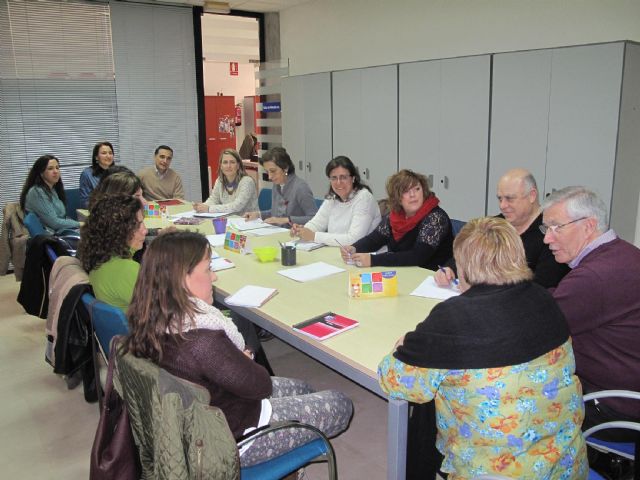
417, 232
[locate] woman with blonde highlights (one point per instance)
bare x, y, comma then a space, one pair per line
234, 190
498, 363
417, 232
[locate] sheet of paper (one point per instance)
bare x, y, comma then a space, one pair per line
216, 240
242, 225
310, 272
261, 232
250, 296
210, 215
188, 214
428, 288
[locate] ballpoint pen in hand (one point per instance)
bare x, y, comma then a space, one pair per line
455, 282
349, 260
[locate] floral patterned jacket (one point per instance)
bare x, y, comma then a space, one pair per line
521, 421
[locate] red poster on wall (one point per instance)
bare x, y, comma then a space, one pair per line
233, 69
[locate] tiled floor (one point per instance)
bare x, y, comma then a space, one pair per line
46, 431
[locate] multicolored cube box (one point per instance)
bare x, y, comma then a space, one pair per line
235, 242
153, 210
373, 284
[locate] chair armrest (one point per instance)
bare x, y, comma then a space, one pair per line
616, 424
612, 393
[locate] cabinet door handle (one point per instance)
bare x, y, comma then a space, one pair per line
308, 166
366, 173
430, 181
445, 182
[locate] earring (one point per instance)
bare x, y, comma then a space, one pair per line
286, 173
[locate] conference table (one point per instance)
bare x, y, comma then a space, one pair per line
354, 353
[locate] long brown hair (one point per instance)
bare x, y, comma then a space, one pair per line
160, 300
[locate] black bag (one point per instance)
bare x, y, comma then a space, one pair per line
114, 455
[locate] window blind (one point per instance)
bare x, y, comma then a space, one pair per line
57, 87
156, 84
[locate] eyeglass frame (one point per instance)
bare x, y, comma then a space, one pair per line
340, 178
554, 228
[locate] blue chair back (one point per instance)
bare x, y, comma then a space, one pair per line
319, 201
34, 225
107, 321
457, 225
264, 199
73, 202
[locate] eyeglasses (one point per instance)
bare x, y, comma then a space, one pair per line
339, 178
554, 228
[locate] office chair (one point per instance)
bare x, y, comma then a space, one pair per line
457, 225
318, 202
34, 225
73, 202
628, 450
106, 322
155, 399
264, 199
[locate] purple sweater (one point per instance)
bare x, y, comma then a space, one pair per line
236, 383
601, 301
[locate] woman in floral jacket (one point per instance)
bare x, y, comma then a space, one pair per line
499, 363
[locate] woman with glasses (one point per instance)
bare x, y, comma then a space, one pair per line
417, 232
349, 211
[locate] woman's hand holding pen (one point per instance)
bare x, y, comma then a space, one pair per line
251, 216
200, 207
302, 232
346, 253
444, 277
361, 259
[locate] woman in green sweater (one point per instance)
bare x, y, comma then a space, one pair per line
113, 232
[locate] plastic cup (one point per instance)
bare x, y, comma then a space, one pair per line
220, 224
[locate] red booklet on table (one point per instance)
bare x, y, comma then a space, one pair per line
170, 202
325, 326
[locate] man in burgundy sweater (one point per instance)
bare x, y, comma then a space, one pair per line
600, 298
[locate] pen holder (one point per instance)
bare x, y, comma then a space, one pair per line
288, 255
220, 224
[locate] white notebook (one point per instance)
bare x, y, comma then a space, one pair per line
250, 296
310, 272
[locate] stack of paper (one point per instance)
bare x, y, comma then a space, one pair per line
250, 296
308, 246
209, 215
429, 289
269, 230
241, 225
216, 240
310, 272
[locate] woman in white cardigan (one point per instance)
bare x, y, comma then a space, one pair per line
234, 190
349, 211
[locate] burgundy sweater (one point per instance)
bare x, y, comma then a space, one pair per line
236, 383
601, 300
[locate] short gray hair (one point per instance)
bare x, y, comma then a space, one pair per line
529, 182
580, 202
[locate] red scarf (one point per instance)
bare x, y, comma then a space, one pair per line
400, 224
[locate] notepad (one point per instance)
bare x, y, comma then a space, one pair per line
310, 272
429, 289
251, 296
220, 263
263, 231
325, 326
242, 225
308, 246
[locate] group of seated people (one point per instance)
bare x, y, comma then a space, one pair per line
547, 308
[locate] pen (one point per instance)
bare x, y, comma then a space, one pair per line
455, 281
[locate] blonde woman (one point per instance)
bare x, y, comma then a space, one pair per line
498, 362
234, 190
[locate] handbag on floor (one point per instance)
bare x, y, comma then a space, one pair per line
114, 454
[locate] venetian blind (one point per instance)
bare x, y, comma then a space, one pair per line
156, 84
57, 87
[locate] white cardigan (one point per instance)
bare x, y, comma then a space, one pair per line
345, 222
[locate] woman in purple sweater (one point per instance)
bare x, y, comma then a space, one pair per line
174, 324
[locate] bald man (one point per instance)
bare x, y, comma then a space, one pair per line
517, 195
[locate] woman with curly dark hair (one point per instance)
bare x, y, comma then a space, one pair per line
113, 232
121, 182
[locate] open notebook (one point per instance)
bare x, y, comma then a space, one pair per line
251, 296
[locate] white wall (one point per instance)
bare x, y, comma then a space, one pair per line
325, 35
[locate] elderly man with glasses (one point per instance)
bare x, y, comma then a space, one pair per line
600, 298
517, 195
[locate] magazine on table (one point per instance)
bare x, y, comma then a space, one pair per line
325, 326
